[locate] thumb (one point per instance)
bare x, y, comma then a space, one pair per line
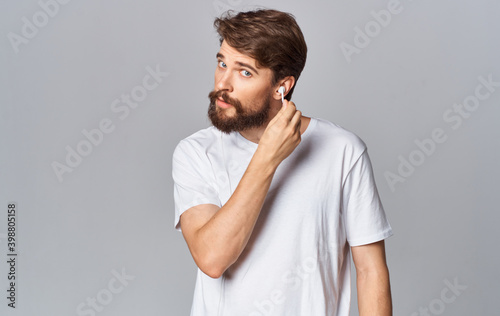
285, 104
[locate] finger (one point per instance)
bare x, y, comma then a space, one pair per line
296, 120
290, 110
278, 115
286, 112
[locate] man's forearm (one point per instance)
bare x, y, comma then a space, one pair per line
225, 235
374, 293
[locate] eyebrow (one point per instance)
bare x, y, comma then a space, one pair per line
239, 63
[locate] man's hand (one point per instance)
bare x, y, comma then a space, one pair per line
282, 135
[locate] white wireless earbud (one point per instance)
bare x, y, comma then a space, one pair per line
282, 91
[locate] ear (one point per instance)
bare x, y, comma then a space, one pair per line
287, 82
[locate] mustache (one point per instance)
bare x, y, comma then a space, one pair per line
214, 95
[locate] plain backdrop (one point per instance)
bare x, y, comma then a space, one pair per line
96, 234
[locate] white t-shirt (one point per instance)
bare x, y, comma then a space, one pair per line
322, 200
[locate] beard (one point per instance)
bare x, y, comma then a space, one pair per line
242, 119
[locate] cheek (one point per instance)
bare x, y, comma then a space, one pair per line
262, 96
251, 92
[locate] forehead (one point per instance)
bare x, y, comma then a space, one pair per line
234, 55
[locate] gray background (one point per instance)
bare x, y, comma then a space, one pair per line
114, 211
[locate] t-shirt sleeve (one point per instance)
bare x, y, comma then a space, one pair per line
193, 183
365, 218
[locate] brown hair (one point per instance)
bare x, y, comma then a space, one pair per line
271, 37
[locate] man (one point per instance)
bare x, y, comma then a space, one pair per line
271, 203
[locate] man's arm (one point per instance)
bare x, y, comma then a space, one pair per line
217, 236
372, 278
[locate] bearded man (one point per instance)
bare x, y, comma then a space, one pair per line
272, 203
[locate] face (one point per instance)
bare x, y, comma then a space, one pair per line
241, 98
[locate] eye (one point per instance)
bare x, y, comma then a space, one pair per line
246, 73
222, 64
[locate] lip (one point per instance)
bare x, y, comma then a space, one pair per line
223, 104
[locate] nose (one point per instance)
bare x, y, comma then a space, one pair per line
223, 81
